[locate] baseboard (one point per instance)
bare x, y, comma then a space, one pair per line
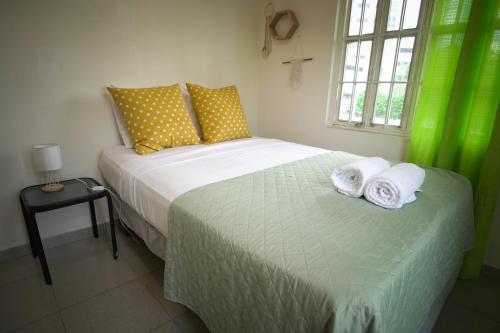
50, 242
490, 271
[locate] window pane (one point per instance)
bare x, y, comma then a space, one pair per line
395, 54
359, 102
397, 102
411, 14
364, 60
369, 16
394, 17
345, 101
355, 20
381, 103
404, 58
388, 56
350, 61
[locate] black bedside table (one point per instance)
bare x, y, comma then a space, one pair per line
33, 201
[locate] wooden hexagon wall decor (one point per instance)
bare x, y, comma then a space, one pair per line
293, 24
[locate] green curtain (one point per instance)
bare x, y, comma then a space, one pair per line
456, 124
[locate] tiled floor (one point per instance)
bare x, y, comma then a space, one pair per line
94, 293
91, 292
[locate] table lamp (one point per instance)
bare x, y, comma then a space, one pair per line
47, 158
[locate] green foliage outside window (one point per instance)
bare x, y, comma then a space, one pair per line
398, 99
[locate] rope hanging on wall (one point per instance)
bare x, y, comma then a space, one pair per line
268, 40
295, 80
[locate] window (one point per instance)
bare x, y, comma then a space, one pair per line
375, 63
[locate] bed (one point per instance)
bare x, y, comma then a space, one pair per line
256, 239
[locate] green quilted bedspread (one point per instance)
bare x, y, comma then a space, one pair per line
280, 250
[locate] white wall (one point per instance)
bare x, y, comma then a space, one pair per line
300, 115
56, 56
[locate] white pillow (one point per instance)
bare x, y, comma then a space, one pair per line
120, 123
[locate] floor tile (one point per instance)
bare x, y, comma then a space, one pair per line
491, 273
19, 268
24, 301
455, 318
189, 322
123, 236
154, 283
128, 308
14, 253
50, 324
133, 249
478, 296
75, 251
140, 258
87, 277
169, 327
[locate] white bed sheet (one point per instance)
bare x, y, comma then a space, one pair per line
150, 183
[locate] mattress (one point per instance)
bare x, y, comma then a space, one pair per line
149, 184
280, 250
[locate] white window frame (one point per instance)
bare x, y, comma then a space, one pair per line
341, 39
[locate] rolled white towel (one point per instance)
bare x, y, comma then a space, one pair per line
395, 186
351, 178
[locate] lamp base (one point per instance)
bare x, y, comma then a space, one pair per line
52, 188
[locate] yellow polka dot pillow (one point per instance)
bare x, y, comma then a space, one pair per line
156, 118
220, 113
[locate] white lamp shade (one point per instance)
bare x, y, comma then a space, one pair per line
47, 157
